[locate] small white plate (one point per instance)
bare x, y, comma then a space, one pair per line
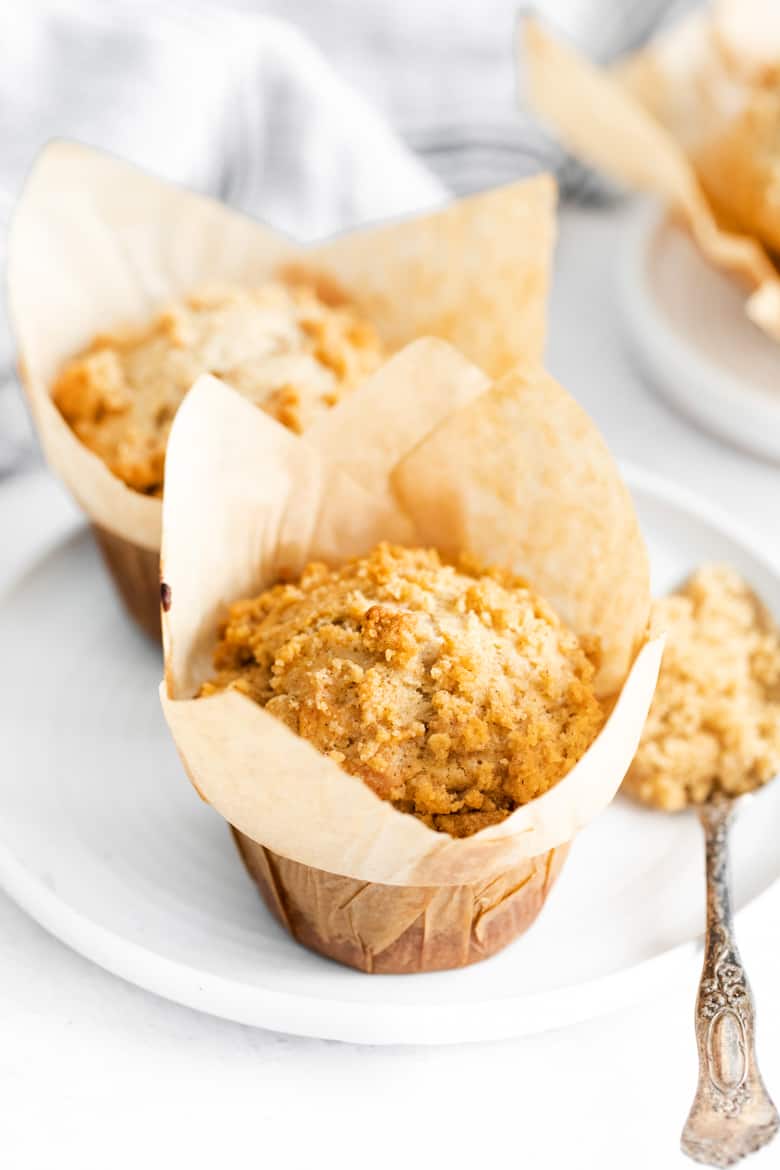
105, 843
687, 326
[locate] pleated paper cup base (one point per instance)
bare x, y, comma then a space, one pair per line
135, 571
400, 930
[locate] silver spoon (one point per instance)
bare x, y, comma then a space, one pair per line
732, 1113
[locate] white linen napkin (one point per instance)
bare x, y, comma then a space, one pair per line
232, 104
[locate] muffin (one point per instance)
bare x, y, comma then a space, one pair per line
404, 742
692, 118
293, 328
714, 724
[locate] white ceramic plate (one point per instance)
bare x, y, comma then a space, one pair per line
105, 843
688, 328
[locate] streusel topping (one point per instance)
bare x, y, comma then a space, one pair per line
455, 693
279, 345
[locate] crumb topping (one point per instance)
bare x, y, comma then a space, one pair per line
714, 723
280, 346
455, 693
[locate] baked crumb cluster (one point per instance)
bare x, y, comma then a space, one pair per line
714, 723
280, 345
455, 693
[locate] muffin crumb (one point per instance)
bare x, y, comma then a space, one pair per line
714, 723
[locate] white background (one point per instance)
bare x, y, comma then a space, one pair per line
97, 1074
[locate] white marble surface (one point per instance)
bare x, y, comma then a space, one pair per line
95, 1073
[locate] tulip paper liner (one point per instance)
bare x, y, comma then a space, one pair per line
97, 244
679, 120
427, 452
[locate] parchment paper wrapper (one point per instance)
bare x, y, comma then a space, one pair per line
693, 119
96, 244
428, 452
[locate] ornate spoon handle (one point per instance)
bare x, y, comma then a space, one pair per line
732, 1114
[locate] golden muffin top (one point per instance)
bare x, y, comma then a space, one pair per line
279, 345
455, 693
714, 723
